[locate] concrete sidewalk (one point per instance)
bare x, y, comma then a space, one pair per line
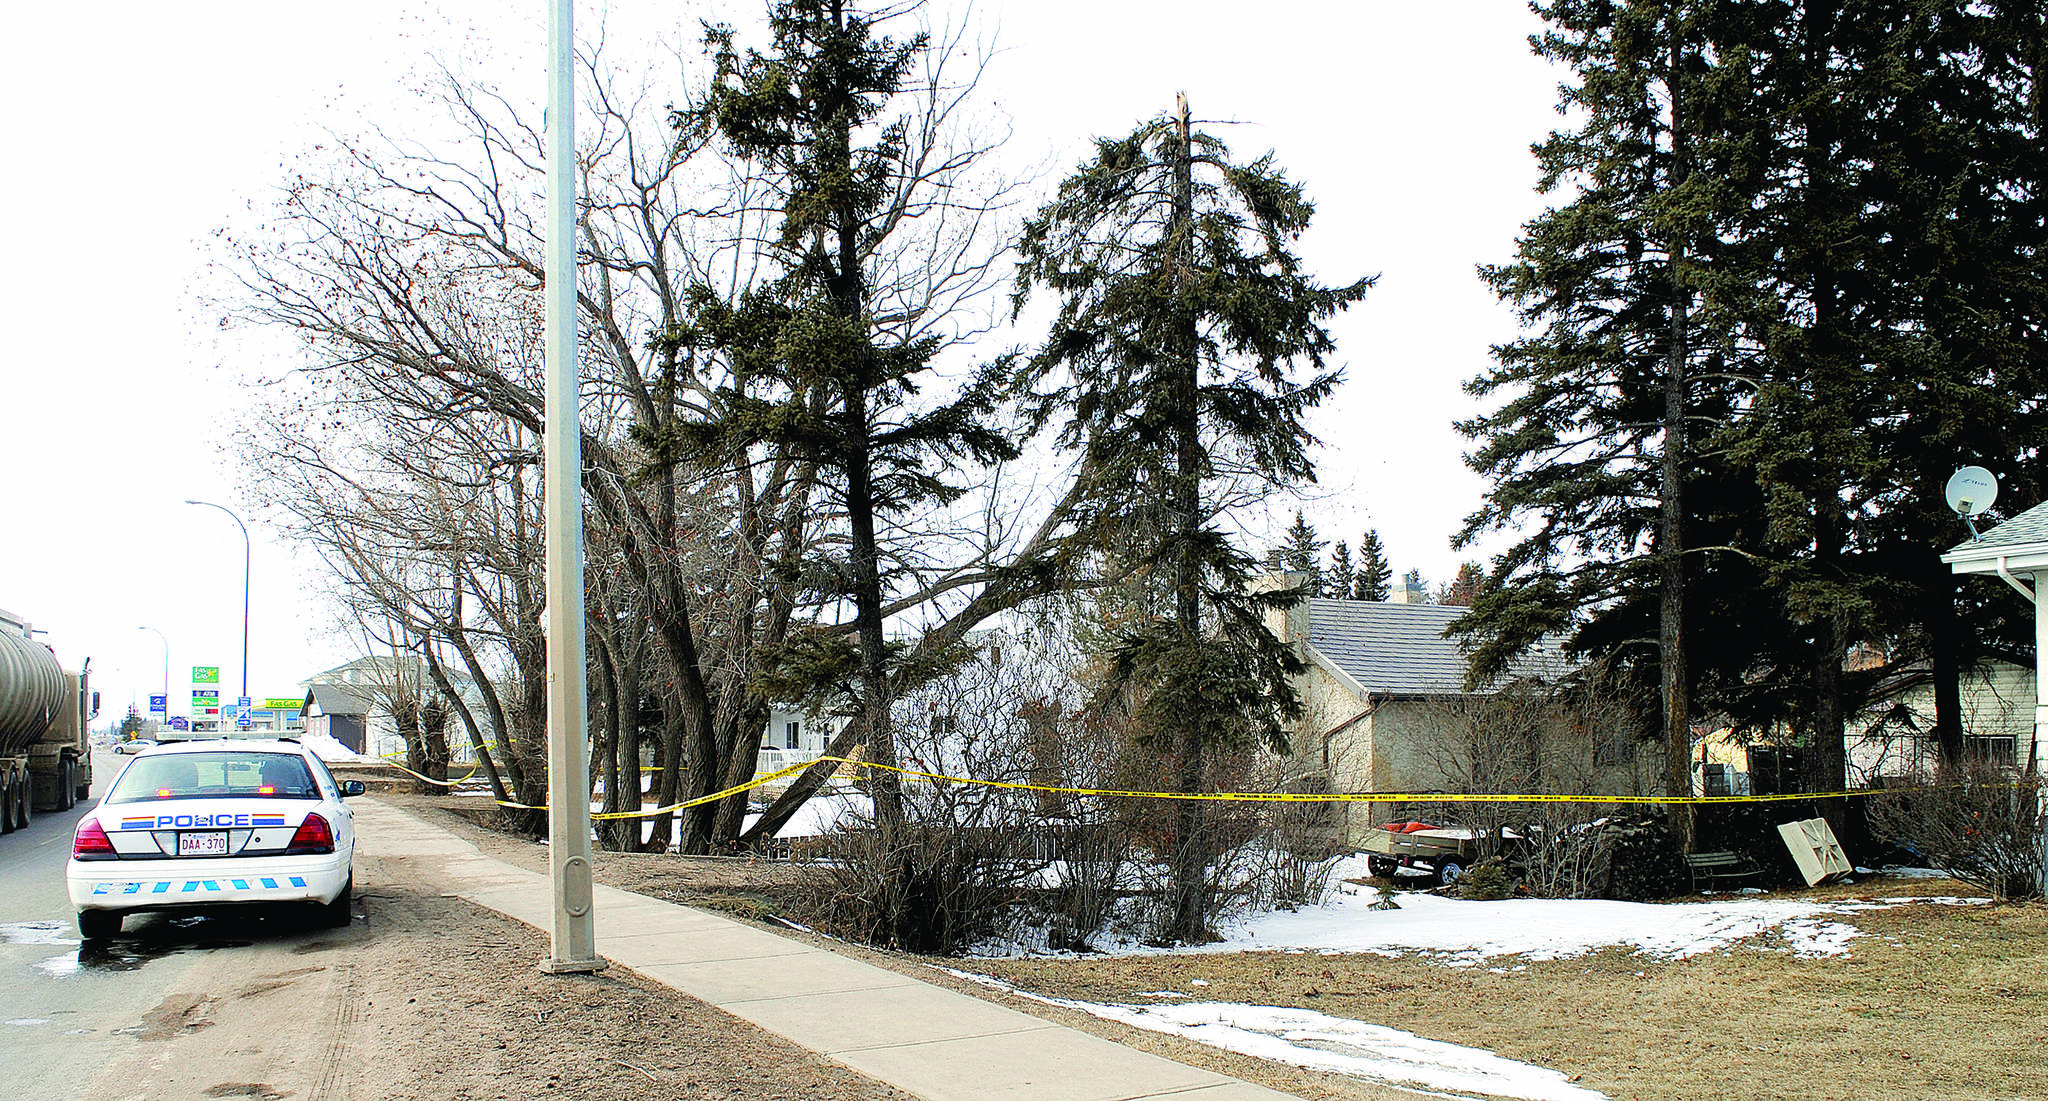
923, 1039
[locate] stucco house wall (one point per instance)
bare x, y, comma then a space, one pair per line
1379, 701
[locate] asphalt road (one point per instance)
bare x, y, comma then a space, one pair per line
78, 1021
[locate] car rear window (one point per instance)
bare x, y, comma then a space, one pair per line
239, 774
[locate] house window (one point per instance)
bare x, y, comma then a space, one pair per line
1717, 779
792, 733
1995, 750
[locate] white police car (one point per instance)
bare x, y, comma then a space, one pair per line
195, 825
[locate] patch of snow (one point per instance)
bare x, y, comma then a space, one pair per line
821, 814
1896, 871
327, 749
1160, 994
1318, 1041
1464, 933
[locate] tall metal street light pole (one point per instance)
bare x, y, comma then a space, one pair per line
167, 668
572, 934
245, 585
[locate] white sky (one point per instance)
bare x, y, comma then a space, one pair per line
137, 129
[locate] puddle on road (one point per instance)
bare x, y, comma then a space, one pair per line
152, 940
39, 932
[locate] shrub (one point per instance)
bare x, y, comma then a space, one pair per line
1487, 881
938, 888
1979, 823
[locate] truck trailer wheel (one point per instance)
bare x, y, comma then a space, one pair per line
7, 790
1449, 871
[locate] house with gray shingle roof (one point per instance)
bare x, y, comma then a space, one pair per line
2014, 549
1386, 708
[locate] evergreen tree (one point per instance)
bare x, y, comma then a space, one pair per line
1341, 575
1302, 552
1750, 364
1462, 588
1375, 580
818, 366
1589, 453
1185, 324
1897, 263
1412, 585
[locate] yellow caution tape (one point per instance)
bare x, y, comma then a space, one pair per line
1235, 796
429, 779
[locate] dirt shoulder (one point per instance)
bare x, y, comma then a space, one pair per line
429, 998
751, 890
1932, 1000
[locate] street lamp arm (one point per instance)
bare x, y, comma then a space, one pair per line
245, 585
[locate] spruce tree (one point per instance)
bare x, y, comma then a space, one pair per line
1798, 284
1341, 574
1462, 588
818, 367
1302, 552
1375, 580
1186, 334
1589, 451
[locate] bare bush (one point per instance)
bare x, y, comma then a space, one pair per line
938, 889
1979, 822
1565, 850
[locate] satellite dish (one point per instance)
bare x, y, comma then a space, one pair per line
1971, 490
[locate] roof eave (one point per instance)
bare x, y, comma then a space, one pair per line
2030, 557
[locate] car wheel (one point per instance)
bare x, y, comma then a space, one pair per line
1381, 866
1448, 872
336, 914
99, 924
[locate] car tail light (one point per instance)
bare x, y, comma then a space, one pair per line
314, 836
90, 842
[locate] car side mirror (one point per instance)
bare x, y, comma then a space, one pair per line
352, 787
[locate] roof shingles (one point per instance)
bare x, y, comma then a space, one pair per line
1399, 649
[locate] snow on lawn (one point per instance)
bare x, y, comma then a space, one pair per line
1465, 934
1305, 1038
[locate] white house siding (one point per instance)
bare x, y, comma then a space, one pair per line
1998, 704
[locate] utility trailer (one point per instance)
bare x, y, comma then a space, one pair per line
45, 715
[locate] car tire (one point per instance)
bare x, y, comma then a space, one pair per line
99, 924
1448, 872
336, 914
1381, 867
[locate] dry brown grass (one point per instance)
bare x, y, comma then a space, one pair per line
1933, 1001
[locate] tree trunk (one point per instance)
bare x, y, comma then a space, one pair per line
807, 784
1671, 521
1191, 844
1945, 664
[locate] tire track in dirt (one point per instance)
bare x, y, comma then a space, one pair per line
338, 1055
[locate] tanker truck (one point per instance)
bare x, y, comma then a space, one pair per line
45, 760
